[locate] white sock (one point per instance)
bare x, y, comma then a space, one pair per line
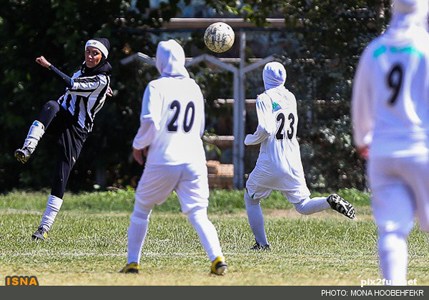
53, 206
206, 232
35, 133
311, 206
393, 255
137, 232
256, 219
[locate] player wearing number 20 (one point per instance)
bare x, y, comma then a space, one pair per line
390, 116
279, 166
171, 125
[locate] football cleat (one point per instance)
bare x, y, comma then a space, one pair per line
259, 247
131, 268
342, 206
219, 266
40, 234
23, 155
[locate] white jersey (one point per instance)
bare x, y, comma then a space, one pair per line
176, 108
172, 118
390, 103
279, 164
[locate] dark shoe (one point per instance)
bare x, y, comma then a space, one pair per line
342, 206
131, 268
259, 247
23, 155
219, 266
40, 234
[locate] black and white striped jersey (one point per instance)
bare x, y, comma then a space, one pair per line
85, 98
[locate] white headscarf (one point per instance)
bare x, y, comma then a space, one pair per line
170, 59
406, 13
274, 75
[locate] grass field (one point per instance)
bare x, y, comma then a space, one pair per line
87, 245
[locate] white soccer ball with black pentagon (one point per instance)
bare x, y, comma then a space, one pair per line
219, 37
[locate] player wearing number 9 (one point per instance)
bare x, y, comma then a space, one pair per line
390, 117
172, 123
279, 164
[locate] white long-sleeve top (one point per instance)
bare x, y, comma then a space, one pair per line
172, 118
390, 99
279, 154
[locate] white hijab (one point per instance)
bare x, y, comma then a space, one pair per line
170, 59
274, 75
406, 13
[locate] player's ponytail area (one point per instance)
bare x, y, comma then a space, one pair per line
88, 243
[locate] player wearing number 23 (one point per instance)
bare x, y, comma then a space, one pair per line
279, 166
390, 116
172, 123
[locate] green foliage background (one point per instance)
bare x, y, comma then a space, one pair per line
320, 46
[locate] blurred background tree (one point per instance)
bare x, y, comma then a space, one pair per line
320, 47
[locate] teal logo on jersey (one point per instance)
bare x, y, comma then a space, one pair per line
276, 106
392, 49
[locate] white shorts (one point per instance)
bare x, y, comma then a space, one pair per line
262, 182
400, 192
190, 182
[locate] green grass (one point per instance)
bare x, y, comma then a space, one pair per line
221, 201
87, 245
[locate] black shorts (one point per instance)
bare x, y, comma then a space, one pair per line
69, 135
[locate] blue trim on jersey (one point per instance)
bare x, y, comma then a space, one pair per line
392, 49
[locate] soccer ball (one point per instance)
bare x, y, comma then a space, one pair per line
219, 37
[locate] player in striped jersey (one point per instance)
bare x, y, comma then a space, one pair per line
70, 119
279, 166
390, 116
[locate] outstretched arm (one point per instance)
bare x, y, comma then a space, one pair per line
41, 60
